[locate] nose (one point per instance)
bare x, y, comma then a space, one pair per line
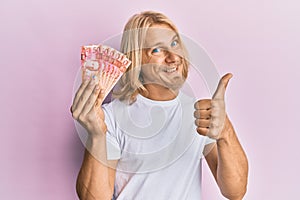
172, 57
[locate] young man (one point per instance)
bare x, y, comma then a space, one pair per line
148, 142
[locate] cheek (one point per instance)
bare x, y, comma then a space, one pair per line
180, 68
156, 60
147, 70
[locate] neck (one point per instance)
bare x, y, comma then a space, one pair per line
159, 93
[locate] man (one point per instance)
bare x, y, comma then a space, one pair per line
144, 144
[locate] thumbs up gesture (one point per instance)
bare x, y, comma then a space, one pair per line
210, 114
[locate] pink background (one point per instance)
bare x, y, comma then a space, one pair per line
258, 41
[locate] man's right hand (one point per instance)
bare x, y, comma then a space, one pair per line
97, 174
86, 107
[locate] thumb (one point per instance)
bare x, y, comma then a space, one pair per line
220, 91
101, 94
100, 97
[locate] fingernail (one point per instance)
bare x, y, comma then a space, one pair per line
97, 87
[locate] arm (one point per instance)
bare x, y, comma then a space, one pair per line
228, 163
227, 159
96, 176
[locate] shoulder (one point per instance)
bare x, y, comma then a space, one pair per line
110, 110
186, 99
111, 106
114, 109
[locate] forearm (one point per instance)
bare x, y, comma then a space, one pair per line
95, 179
232, 170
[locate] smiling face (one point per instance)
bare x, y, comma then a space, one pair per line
162, 60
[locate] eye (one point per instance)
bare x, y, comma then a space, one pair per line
174, 43
156, 50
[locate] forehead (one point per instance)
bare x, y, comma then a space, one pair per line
159, 34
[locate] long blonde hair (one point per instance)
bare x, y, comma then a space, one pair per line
133, 37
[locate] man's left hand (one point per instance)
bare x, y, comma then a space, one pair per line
210, 114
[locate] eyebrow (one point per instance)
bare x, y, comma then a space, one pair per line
160, 43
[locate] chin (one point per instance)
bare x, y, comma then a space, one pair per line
175, 83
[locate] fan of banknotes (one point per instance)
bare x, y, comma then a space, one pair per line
103, 63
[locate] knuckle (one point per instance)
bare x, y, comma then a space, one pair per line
96, 90
201, 131
203, 115
75, 115
213, 133
81, 99
214, 114
90, 86
88, 102
89, 118
217, 103
197, 105
207, 123
82, 118
214, 124
84, 83
214, 103
196, 114
88, 126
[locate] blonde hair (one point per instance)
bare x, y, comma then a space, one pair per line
133, 37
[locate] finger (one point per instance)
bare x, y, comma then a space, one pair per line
79, 92
84, 97
99, 102
202, 123
220, 91
202, 114
202, 131
203, 104
100, 97
213, 132
91, 101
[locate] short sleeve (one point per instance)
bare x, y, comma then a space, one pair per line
208, 145
113, 150
209, 140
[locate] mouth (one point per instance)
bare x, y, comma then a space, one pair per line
170, 69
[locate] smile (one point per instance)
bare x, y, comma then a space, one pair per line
170, 70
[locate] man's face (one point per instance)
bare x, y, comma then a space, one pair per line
162, 58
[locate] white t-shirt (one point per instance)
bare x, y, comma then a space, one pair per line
158, 149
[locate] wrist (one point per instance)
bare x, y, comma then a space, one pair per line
227, 132
96, 134
93, 141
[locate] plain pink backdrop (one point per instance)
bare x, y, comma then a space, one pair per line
258, 41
